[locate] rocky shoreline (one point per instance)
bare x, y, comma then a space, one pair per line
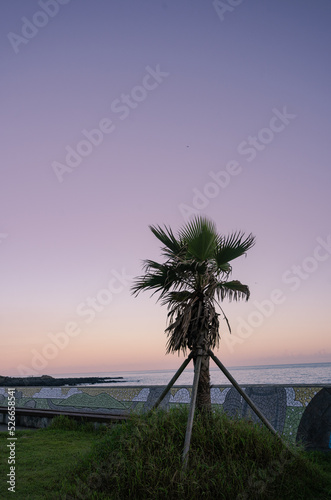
48, 381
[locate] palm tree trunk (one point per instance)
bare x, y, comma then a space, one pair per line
203, 396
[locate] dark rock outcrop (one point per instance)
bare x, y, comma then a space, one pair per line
48, 381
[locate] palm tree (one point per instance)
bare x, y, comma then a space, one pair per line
192, 281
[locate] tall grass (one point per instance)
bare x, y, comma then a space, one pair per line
228, 459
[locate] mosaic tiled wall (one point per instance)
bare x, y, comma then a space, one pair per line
298, 412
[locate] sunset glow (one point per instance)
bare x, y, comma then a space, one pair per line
119, 115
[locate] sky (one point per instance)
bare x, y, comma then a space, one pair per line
117, 115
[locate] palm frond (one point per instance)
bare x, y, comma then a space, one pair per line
177, 297
224, 316
233, 246
173, 247
157, 277
163, 277
225, 268
200, 236
232, 290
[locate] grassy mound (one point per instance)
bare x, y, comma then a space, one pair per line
229, 459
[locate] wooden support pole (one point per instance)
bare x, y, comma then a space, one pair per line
188, 434
249, 401
173, 380
242, 393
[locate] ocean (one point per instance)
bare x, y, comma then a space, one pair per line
307, 373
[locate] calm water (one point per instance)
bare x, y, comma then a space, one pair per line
310, 373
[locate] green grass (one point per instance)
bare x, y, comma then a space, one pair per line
43, 457
141, 459
229, 459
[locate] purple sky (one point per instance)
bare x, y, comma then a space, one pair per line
192, 108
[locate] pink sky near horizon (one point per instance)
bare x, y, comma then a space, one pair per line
211, 86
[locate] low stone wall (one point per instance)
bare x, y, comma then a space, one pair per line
298, 412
